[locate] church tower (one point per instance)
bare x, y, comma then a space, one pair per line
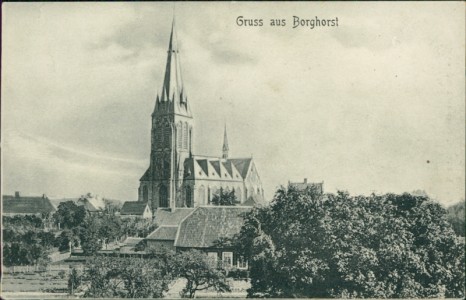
171, 137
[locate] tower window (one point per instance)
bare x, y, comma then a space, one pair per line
163, 196
185, 136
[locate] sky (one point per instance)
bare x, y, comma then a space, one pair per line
373, 105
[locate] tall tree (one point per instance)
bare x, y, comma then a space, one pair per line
69, 215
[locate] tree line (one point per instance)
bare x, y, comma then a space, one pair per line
391, 246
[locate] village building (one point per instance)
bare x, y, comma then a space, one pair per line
18, 205
176, 176
205, 228
136, 209
92, 203
318, 187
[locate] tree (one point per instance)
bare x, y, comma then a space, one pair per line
224, 198
74, 281
310, 245
69, 215
456, 218
90, 236
195, 267
105, 277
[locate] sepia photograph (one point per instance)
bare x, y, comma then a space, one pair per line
232, 150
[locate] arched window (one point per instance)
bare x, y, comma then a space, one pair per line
145, 193
189, 197
163, 196
208, 195
166, 169
201, 195
185, 136
166, 134
179, 133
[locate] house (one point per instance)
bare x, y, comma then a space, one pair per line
301, 186
40, 207
26, 205
129, 245
136, 209
205, 228
92, 203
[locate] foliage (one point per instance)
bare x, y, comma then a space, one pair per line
309, 245
25, 242
27, 221
74, 281
125, 277
224, 197
67, 238
456, 218
90, 236
69, 215
137, 227
195, 267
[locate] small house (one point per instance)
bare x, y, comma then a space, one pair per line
136, 209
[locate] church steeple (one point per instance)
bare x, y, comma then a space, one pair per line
225, 144
173, 97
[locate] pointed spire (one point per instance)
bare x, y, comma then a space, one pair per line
225, 143
173, 83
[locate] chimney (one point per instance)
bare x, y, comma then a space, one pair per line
43, 196
305, 180
16, 194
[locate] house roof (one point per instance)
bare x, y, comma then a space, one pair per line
301, 186
132, 241
92, 203
164, 233
27, 205
133, 208
207, 224
164, 217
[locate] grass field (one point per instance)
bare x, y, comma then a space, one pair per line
50, 282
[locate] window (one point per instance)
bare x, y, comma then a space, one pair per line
212, 258
189, 197
179, 133
242, 263
145, 193
227, 259
185, 136
163, 196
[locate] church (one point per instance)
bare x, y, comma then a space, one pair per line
176, 177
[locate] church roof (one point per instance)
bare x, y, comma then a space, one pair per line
163, 233
208, 224
146, 176
27, 205
198, 167
133, 208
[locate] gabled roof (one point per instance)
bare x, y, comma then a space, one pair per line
163, 217
198, 167
27, 205
133, 208
91, 203
242, 164
163, 233
208, 224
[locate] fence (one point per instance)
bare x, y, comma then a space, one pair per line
37, 269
